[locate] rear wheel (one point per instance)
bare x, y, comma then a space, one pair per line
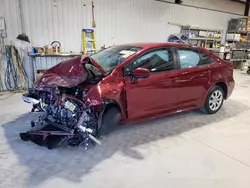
214, 100
110, 121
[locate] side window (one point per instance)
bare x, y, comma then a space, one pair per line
205, 59
156, 61
188, 58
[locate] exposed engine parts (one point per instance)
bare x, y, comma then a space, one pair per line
75, 106
65, 120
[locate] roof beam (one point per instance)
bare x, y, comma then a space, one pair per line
243, 2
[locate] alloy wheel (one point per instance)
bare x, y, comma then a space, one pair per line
215, 100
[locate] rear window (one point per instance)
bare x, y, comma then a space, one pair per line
205, 59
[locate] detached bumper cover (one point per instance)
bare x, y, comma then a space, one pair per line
30, 99
47, 137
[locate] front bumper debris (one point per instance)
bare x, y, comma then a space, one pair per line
54, 135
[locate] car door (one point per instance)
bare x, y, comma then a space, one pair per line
193, 78
148, 97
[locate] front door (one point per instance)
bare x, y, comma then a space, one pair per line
149, 97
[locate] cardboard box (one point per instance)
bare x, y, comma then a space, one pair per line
233, 37
248, 25
49, 50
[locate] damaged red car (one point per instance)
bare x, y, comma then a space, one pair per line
85, 97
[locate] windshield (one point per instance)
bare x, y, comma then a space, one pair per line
111, 57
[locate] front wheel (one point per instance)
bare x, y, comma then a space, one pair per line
110, 121
214, 100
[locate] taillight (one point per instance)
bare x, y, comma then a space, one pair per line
231, 67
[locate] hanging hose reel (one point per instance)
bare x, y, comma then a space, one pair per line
15, 75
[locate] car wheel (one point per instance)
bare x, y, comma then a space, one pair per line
110, 121
248, 71
214, 100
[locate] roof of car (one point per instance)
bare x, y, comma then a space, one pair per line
157, 44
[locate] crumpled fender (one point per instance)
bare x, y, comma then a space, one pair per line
110, 88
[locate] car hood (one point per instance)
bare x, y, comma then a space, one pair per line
68, 73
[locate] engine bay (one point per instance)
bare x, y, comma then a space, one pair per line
68, 99
67, 117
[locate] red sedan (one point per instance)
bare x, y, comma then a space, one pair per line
129, 83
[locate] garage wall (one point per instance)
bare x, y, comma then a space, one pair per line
118, 21
9, 9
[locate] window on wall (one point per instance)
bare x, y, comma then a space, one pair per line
188, 58
156, 61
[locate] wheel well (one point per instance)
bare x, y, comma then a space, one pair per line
110, 104
224, 88
113, 104
107, 105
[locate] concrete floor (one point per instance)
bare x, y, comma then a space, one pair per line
184, 150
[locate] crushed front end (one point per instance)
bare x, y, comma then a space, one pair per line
63, 120
67, 115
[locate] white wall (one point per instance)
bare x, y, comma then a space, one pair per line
10, 11
126, 21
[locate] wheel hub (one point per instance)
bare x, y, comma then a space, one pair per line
215, 100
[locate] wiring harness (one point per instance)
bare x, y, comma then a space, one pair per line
15, 75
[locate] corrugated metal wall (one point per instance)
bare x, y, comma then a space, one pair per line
125, 21
9, 9
118, 21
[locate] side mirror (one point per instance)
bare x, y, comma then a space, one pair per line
141, 73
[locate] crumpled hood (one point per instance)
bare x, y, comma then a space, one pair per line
68, 73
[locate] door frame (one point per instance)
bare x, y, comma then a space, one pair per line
178, 57
130, 65
195, 68
199, 51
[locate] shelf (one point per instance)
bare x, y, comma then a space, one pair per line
238, 59
238, 32
240, 49
54, 55
213, 49
204, 38
232, 40
200, 29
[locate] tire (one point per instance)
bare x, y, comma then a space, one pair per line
110, 121
248, 71
214, 100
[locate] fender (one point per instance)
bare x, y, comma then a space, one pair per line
213, 84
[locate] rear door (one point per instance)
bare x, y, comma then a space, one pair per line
148, 97
193, 78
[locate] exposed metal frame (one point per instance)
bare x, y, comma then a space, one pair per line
242, 2
247, 8
164, 1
